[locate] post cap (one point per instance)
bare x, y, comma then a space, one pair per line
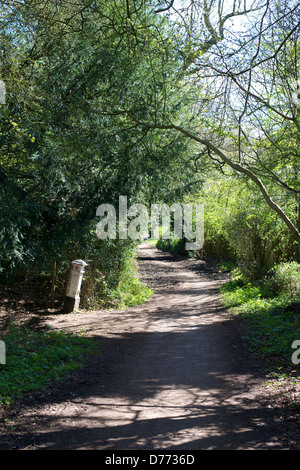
80, 262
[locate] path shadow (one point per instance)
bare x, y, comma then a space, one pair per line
165, 376
161, 390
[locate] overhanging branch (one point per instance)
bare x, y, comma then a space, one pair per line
234, 165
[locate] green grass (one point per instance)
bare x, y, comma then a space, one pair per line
122, 289
151, 241
131, 292
227, 266
35, 360
271, 325
172, 245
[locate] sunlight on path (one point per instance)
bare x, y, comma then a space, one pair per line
174, 375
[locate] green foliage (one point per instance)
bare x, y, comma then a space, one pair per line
35, 360
284, 278
65, 145
131, 291
112, 278
272, 326
173, 245
72, 135
228, 266
239, 227
59, 156
271, 308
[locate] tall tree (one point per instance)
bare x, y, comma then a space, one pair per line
238, 85
65, 147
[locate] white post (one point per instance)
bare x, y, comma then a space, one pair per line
72, 298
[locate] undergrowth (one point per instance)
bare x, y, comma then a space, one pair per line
35, 360
113, 281
272, 315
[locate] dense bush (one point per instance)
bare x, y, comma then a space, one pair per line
240, 226
284, 278
271, 325
112, 278
173, 245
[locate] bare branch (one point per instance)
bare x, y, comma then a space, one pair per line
166, 8
235, 166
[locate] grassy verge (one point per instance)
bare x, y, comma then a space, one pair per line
272, 328
118, 286
273, 325
271, 307
171, 245
132, 291
35, 360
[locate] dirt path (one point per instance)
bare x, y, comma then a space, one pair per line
170, 374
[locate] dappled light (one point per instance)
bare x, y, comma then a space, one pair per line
172, 373
149, 224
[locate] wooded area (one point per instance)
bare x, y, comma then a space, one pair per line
163, 102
